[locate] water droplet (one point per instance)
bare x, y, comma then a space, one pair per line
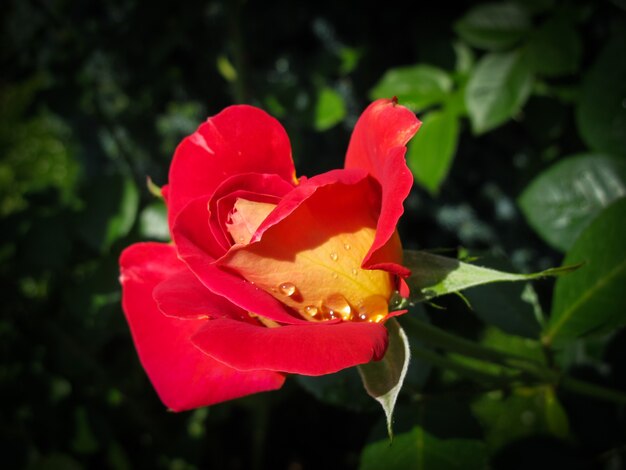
354, 271
376, 318
347, 246
334, 256
335, 275
336, 305
287, 288
311, 310
373, 309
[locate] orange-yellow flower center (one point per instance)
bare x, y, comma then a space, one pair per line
313, 265
245, 218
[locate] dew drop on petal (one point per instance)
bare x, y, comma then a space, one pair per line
287, 288
373, 309
311, 310
335, 275
376, 318
336, 305
354, 271
334, 256
347, 246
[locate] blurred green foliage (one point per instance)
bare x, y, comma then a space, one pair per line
521, 153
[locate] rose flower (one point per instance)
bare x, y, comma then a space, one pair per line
268, 274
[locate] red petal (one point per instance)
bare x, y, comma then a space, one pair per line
251, 186
197, 220
191, 238
378, 145
183, 296
182, 375
404, 289
240, 139
311, 349
305, 190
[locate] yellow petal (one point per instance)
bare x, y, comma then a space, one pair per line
246, 218
312, 260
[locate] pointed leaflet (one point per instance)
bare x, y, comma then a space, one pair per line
497, 89
433, 275
522, 412
383, 379
435, 433
432, 150
563, 200
494, 26
419, 449
417, 87
600, 112
591, 301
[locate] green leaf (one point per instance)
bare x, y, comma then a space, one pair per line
536, 6
592, 299
589, 351
84, 441
526, 412
454, 104
417, 87
498, 87
513, 345
513, 350
383, 379
153, 188
350, 58
565, 198
554, 49
420, 450
226, 68
330, 109
432, 150
433, 275
512, 307
601, 114
464, 57
494, 26
111, 209
36, 153
153, 222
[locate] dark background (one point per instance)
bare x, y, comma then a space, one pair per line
94, 97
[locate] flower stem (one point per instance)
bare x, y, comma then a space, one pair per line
592, 390
529, 369
433, 336
445, 362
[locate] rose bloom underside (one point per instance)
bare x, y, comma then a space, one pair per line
268, 274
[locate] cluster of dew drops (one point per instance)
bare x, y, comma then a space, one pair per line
372, 309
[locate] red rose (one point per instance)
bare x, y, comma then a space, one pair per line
268, 274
